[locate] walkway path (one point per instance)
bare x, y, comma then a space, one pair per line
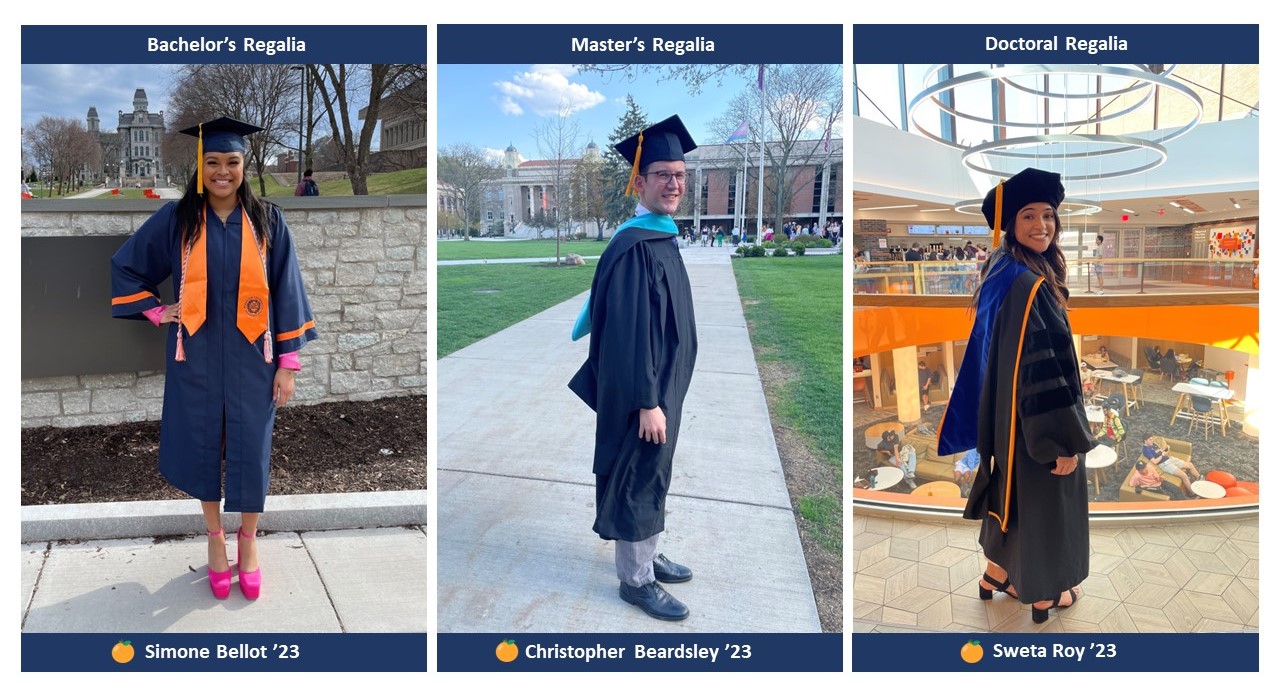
516, 494
315, 581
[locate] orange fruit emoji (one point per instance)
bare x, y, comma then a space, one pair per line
507, 651
122, 652
971, 652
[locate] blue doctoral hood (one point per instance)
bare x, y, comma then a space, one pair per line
958, 431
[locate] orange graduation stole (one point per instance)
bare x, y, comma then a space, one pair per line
252, 300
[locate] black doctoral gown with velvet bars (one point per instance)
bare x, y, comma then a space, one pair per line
218, 403
643, 346
1034, 524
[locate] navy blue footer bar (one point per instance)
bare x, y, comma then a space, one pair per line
229, 652
1233, 652
639, 652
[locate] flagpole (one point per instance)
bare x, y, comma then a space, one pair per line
764, 138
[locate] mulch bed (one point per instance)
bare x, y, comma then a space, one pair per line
379, 445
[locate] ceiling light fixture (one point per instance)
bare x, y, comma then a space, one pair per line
888, 207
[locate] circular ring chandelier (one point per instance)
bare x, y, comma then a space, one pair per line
1070, 207
1005, 157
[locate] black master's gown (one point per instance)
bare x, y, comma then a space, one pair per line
1034, 524
643, 346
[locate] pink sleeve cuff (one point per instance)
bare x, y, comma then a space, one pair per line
289, 360
154, 314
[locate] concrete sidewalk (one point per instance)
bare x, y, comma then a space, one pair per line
367, 580
516, 499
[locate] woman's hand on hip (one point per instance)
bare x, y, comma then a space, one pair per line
282, 388
1065, 465
170, 314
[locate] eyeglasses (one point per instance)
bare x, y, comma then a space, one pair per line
666, 177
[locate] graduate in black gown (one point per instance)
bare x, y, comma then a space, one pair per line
643, 345
233, 334
1018, 400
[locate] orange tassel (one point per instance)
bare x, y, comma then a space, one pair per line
995, 233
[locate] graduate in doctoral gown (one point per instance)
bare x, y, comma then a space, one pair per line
640, 361
232, 335
1018, 400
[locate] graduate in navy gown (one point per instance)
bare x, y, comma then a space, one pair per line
1018, 400
232, 336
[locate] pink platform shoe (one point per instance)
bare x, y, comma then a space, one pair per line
250, 581
219, 581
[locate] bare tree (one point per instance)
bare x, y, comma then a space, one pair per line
63, 150
338, 85
264, 95
589, 199
467, 169
560, 144
803, 105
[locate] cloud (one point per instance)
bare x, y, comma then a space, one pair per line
546, 90
496, 156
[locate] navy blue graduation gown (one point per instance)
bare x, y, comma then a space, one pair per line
644, 344
1029, 411
223, 391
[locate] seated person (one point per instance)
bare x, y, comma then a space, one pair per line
1102, 352
1174, 466
1148, 479
1086, 380
1112, 425
900, 455
966, 468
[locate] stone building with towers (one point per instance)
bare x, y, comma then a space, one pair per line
131, 155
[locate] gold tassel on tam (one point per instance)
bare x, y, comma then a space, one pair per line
635, 169
995, 233
200, 162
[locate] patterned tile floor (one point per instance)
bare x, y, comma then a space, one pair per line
1202, 577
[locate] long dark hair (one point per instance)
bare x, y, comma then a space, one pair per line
191, 207
1051, 265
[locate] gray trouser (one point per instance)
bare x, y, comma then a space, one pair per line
634, 560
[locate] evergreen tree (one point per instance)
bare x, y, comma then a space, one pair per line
618, 207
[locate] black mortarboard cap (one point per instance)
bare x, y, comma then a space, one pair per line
667, 140
218, 135
1027, 186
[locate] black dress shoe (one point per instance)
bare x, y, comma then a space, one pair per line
654, 600
668, 571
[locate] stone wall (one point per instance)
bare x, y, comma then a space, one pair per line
364, 262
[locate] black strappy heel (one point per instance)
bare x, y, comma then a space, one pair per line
986, 593
1039, 616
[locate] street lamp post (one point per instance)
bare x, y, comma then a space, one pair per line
302, 114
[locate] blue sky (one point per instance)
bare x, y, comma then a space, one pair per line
492, 106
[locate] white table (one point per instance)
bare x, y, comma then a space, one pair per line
1208, 490
1098, 459
889, 476
1216, 393
1130, 383
1098, 361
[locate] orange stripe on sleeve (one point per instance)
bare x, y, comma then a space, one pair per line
295, 333
117, 300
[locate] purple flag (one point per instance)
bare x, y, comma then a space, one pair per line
742, 132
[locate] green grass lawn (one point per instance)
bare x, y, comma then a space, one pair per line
407, 182
533, 248
793, 308
476, 301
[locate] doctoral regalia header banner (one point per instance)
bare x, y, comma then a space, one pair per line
1092, 44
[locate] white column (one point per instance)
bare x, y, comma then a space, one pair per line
907, 381
822, 203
